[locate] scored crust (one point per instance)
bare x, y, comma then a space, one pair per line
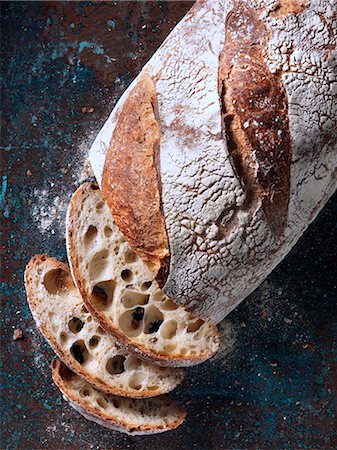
131, 178
81, 343
134, 417
120, 292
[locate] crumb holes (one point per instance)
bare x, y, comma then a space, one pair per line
107, 232
90, 235
130, 321
115, 365
153, 320
130, 256
85, 392
117, 402
101, 402
194, 326
56, 281
84, 310
153, 388
158, 296
63, 337
131, 299
75, 325
169, 348
99, 263
79, 351
102, 294
126, 275
183, 351
99, 206
100, 330
168, 329
169, 305
94, 187
132, 363
93, 341
145, 286
135, 381
116, 250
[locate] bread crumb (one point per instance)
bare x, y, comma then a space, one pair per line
287, 321
87, 109
18, 334
29, 173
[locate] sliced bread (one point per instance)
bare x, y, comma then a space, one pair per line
81, 343
120, 292
131, 416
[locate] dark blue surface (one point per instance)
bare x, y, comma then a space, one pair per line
275, 386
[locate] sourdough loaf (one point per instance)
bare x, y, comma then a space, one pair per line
81, 343
135, 417
121, 293
224, 148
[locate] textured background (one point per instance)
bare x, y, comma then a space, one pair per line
274, 384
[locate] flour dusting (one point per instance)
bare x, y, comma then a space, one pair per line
50, 204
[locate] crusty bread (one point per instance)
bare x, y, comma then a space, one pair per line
121, 293
142, 416
81, 343
225, 145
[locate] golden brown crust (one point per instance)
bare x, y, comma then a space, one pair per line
72, 364
131, 180
255, 116
60, 373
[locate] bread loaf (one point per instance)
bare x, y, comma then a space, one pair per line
135, 417
65, 322
224, 148
120, 292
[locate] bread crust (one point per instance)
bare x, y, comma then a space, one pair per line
238, 190
131, 178
139, 350
73, 365
106, 420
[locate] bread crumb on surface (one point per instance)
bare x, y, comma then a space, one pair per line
29, 173
18, 334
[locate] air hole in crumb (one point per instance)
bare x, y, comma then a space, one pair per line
153, 320
130, 256
101, 402
116, 250
79, 351
169, 348
75, 325
194, 326
115, 365
93, 341
153, 388
132, 363
135, 381
84, 310
102, 294
63, 337
99, 206
168, 329
56, 281
169, 305
90, 235
99, 264
126, 275
158, 296
107, 232
131, 299
183, 351
116, 402
131, 320
84, 392
145, 286
100, 331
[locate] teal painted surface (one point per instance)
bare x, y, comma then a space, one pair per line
275, 387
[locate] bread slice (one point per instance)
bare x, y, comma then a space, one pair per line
131, 416
120, 292
81, 343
